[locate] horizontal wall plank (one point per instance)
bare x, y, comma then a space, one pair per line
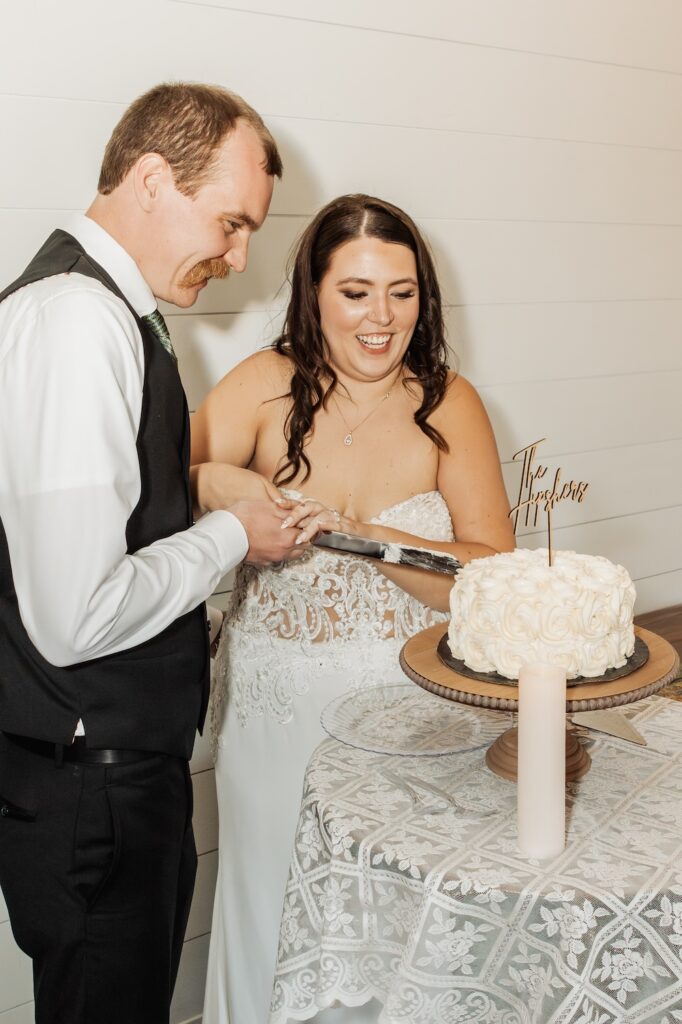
23, 1014
478, 261
585, 415
622, 482
17, 975
24, 231
662, 591
584, 29
209, 345
74, 133
204, 890
513, 342
452, 175
458, 175
188, 1000
648, 544
450, 86
205, 812
496, 344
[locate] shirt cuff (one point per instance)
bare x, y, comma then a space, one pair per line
228, 535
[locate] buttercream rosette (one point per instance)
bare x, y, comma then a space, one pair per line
514, 608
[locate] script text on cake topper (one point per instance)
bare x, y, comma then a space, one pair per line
533, 499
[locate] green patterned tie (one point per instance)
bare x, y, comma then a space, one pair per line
158, 327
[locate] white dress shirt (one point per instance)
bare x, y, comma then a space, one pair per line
71, 377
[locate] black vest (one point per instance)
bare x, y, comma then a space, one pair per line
153, 696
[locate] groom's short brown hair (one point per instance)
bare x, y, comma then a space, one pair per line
185, 123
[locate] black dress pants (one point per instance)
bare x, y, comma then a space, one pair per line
97, 867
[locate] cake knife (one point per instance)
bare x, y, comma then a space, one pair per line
611, 722
395, 554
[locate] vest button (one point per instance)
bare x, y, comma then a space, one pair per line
4, 810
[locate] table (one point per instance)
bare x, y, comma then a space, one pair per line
441, 918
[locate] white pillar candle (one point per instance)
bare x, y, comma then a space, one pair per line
542, 760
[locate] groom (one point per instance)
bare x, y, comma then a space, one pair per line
103, 635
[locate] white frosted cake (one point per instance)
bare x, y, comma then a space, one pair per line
514, 608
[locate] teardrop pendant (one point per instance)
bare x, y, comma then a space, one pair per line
348, 439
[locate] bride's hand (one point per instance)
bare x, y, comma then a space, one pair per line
217, 485
312, 517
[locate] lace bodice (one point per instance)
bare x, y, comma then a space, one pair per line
323, 612
326, 596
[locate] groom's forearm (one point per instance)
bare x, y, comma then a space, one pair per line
219, 485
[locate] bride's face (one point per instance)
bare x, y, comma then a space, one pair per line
369, 306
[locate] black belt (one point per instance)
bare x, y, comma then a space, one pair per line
78, 752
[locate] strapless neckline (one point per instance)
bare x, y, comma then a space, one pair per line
292, 492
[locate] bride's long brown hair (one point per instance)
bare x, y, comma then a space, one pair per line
302, 341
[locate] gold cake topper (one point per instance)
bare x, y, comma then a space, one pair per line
532, 500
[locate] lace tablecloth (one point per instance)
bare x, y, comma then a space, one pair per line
438, 915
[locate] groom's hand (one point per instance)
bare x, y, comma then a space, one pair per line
268, 542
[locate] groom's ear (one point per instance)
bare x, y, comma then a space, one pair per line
151, 175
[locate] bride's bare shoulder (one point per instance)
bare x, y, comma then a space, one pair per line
459, 398
260, 377
461, 412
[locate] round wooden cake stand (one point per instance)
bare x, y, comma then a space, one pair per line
420, 662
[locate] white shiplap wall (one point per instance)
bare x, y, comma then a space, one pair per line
539, 145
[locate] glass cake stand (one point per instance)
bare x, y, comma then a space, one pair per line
420, 662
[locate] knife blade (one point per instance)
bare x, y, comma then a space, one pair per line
611, 722
394, 554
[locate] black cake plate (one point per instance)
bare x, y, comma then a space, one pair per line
639, 657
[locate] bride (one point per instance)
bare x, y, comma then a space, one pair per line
354, 418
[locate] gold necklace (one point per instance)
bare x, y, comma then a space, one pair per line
348, 439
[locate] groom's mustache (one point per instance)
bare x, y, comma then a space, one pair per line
205, 270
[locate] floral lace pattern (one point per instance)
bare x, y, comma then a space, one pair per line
279, 615
441, 919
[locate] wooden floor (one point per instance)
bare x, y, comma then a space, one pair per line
667, 623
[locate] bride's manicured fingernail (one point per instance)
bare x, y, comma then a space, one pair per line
300, 539
286, 522
281, 501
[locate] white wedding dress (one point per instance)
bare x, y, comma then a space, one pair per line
296, 636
